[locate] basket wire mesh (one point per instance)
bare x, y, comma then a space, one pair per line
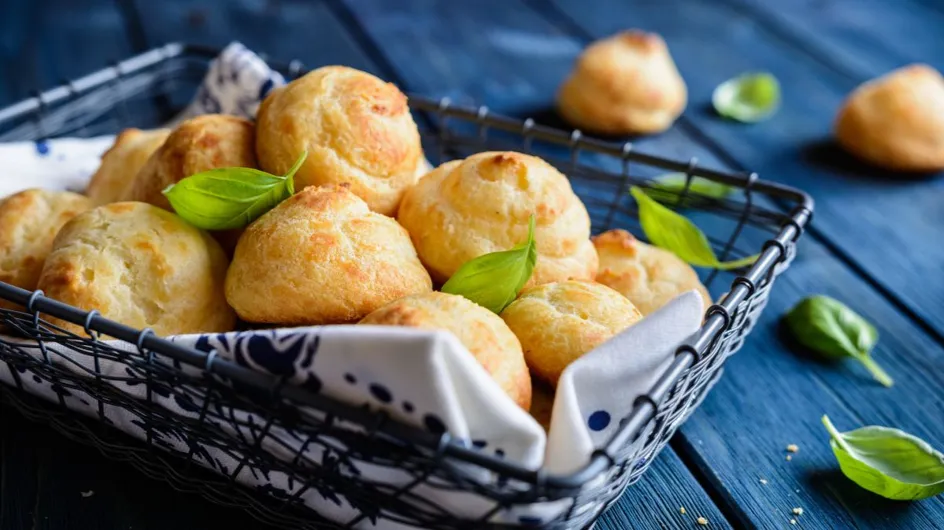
146, 91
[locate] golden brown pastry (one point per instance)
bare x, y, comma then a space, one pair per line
322, 257
482, 332
206, 142
897, 120
29, 221
558, 322
649, 276
142, 266
624, 84
121, 163
466, 208
357, 130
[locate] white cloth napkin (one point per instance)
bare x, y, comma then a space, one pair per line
425, 378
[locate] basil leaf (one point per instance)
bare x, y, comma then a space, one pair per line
668, 188
832, 329
888, 462
748, 98
493, 280
671, 231
232, 197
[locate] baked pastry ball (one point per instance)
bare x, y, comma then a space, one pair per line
322, 257
357, 130
649, 276
558, 322
482, 332
624, 84
121, 163
896, 121
466, 208
200, 144
29, 221
142, 266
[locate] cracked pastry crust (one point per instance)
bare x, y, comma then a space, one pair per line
357, 129
624, 84
29, 222
482, 332
649, 276
322, 257
559, 322
200, 144
466, 208
142, 266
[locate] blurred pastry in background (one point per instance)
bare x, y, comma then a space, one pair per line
466, 208
141, 266
649, 276
559, 322
624, 84
356, 128
121, 163
29, 222
482, 332
322, 257
200, 144
896, 121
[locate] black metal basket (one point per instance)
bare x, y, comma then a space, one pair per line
145, 91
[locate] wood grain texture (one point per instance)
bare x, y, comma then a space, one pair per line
880, 222
771, 397
512, 57
45, 43
306, 31
757, 412
44, 477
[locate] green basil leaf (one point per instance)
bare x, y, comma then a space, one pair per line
671, 231
668, 188
748, 98
494, 279
232, 197
888, 462
830, 328
672, 184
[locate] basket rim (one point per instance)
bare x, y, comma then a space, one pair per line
718, 316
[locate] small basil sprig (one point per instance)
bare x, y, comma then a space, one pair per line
832, 329
493, 280
671, 231
747, 98
888, 462
231, 197
668, 188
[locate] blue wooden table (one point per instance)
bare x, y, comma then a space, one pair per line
877, 242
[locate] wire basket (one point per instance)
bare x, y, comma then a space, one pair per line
146, 91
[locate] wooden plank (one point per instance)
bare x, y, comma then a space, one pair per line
767, 390
656, 501
282, 30
18, 472
45, 43
712, 42
51, 482
862, 38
